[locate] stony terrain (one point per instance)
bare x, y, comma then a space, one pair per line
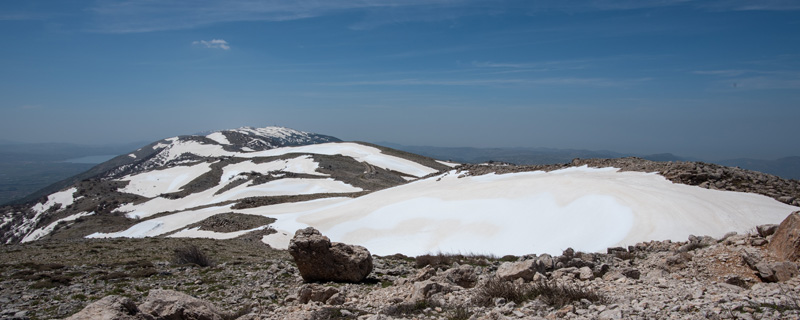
703, 278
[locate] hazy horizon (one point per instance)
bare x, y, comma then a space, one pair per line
707, 79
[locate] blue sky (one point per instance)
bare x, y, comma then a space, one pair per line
709, 79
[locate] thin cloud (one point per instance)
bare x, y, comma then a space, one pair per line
754, 79
132, 16
565, 81
213, 44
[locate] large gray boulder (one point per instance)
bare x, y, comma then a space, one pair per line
320, 260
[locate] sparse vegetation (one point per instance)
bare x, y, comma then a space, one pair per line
191, 254
559, 295
551, 293
446, 260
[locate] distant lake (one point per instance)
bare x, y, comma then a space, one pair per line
92, 159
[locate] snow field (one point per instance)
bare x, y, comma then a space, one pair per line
282, 187
153, 183
533, 212
219, 137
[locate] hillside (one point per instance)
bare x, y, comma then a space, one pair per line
219, 171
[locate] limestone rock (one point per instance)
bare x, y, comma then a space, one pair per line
520, 270
776, 271
427, 288
320, 260
586, 273
110, 308
168, 304
785, 243
315, 292
464, 276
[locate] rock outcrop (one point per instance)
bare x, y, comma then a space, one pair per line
159, 304
168, 304
111, 308
320, 260
785, 243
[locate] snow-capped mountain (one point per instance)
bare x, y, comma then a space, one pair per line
395, 202
220, 169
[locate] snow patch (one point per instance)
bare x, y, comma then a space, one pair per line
153, 183
448, 163
219, 137
41, 232
197, 233
64, 198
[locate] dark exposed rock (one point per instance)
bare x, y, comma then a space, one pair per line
320, 260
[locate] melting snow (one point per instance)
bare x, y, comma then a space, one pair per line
153, 183
62, 197
283, 187
448, 163
532, 212
219, 137
357, 151
41, 232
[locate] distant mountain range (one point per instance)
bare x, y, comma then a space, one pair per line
26, 168
787, 168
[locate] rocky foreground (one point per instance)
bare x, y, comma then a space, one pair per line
741, 276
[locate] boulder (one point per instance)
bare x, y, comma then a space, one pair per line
785, 243
169, 304
776, 271
320, 260
427, 288
111, 308
519, 270
766, 230
315, 292
463, 276
585, 273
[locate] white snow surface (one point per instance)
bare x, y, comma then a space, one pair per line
357, 151
302, 164
448, 163
282, 187
165, 224
64, 198
41, 232
197, 233
583, 208
277, 132
219, 137
153, 183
